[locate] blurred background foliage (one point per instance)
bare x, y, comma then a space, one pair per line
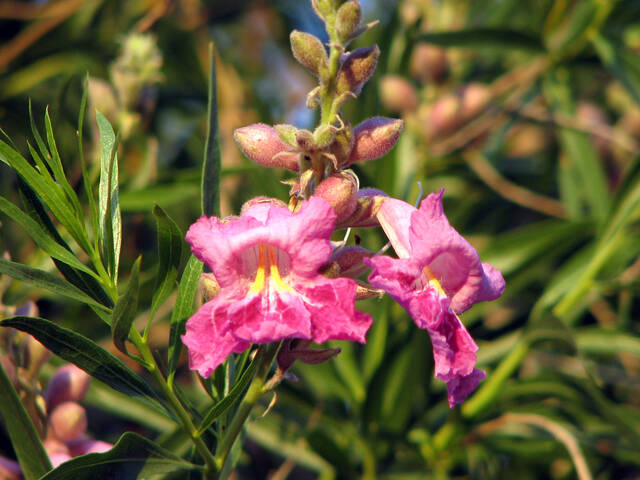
527, 113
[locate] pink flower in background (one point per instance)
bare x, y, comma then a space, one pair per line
266, 263
438, 275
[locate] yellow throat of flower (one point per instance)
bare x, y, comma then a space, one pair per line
267, 261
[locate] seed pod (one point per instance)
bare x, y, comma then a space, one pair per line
69, 384
261, 144
357, 68
68, 421
340, 190
397, 94
310, 52
348, 20
374, 138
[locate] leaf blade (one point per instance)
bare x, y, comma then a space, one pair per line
125, 309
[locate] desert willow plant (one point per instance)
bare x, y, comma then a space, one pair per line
277, 283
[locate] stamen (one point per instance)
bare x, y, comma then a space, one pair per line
258, 283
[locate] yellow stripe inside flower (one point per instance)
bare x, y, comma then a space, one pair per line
433, 281
267, 261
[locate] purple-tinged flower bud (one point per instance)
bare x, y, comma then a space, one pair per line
68, 421
262, 144
83, 445
365, 291
475, 98
58, 458
297, 349
342, 145
356, 69
37, 354
28, 309
340, 190
397, 94
369, 202
310, 52
348, 20
428, 63
374, 137
444, 116
209, 286
10, 469
349, 260
69, 384
53, 445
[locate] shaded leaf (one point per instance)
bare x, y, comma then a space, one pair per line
212, 163
485, 37
132, 457
31, 454
125, 309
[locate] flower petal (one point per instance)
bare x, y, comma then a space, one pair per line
208, 338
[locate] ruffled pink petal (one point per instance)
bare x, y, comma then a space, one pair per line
395, 219
460, 388
397, 277
209, 339
453, 261
333, 316
269, 318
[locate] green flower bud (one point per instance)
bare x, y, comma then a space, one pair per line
305, 140
357, 69
310, 52
287, 133
323, 8
348, 20
324, 135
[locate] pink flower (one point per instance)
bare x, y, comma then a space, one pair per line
266, 262
438, 275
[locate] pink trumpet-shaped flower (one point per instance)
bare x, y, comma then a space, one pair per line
266, 262
437, 276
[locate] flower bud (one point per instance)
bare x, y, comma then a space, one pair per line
356, 69
525, 140
261, 200
305, 140
397, 94
475, 98
369, 202
69, 384
287, 133
84, 445
58, 458
53, 445
365, 291
342, 145
340, 190
323, 8
261, 144
209, 286
9, 469
374, 137
309, 51
444, 115
428, 63
324, 135
349, 260
67, 421
296, 349
348, 20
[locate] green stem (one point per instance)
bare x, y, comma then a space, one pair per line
176, 406
266, 355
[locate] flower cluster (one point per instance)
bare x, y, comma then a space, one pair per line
277, 275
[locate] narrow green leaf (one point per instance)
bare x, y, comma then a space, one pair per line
46, 280
211, 165
170, 240
41, 237
86, 181
44, 151
374, 349
49, 192
31, 454
110, 231
622, 63
86, 283
348, 370
223, 405
132, 457
485, 37
56, 165
125, 309
182, 310
84, 353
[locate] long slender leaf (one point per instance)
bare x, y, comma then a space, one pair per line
86, 181
485, 37
84, 353
212, 163
620, 61
132, 457
41, 237
46, 280
182, 310
24, 437
125, 309
108, 203
170, 240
